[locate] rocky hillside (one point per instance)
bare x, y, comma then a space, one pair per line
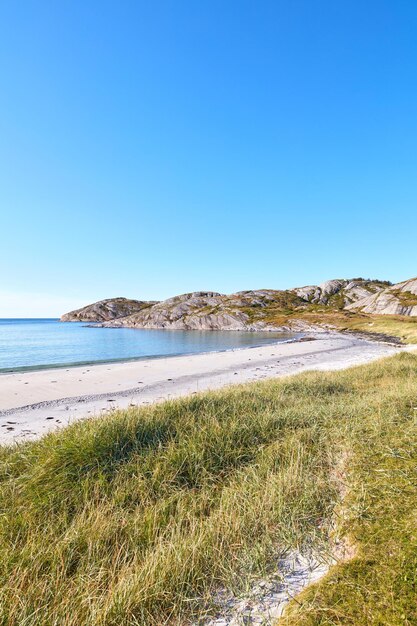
104, 310
340, 292
263, 309
207, 310
248, 310
399, 299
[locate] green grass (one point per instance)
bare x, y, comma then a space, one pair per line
397, 326
405, 328
378, 517
406, 298
138, 517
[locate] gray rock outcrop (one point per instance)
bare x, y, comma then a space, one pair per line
205, 310
339, 291
262, 309
104, 310
399, 299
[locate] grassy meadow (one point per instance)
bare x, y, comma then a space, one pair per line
402, 328
398, 327
138, 517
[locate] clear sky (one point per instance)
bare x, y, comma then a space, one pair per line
153, 148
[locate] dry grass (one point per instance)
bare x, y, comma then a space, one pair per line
378, 585
401, 327
405, 328
138, 517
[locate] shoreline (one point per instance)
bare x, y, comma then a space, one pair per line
58, 366
33, 403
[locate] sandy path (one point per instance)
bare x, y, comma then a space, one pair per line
32, 403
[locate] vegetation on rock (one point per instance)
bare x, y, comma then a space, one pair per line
104, 310
264, 309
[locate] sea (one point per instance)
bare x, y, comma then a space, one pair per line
28, 344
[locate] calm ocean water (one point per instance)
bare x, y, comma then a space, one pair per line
37, 343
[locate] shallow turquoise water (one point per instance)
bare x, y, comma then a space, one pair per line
37, 343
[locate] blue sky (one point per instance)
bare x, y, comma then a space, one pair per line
154, 148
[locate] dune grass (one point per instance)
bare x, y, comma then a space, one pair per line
137, 518
377, 518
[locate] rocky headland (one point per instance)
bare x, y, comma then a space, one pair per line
104, 310
264, 309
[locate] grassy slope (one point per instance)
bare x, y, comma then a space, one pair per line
403, 327
395, 325
131, 519
379, 517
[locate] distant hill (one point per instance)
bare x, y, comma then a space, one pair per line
206, 310
262, 309
104, 310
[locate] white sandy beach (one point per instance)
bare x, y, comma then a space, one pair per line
33, 403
